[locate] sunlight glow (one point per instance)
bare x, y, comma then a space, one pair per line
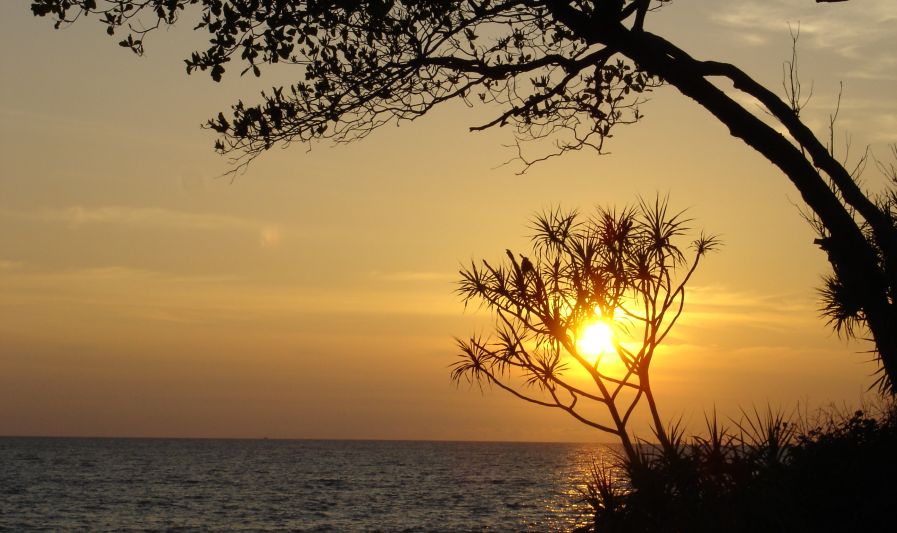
596, 338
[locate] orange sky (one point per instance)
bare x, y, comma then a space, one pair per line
312, 296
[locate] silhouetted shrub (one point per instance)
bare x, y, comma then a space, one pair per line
766, 474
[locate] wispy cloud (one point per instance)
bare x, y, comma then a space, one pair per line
6, 264
78, 216
26, 278
834, 26
148, 217
156, 295
411, 276
716, 295
715, 305
862, 33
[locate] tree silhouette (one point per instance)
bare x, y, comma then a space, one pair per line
624, 267
564, 70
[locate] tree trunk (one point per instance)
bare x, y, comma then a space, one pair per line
660, 431
855, 259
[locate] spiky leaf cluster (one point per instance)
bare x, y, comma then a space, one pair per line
842, 304
626, 262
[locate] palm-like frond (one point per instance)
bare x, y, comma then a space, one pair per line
625, 260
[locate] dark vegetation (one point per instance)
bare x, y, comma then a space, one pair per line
765, 473
568, 72
626, 269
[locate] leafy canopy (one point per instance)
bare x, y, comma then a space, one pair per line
366, 63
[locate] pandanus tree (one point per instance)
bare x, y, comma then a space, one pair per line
579, 321
565, 70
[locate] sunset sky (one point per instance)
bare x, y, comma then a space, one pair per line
312, 297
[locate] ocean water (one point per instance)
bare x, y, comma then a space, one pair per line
71, 484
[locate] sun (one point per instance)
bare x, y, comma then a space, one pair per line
596, 338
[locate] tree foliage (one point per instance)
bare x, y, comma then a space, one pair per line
760, 472
564, 70
365, 63
626, 267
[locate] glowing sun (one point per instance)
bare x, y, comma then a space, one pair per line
596, 338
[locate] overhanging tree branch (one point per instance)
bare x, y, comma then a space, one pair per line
568, 71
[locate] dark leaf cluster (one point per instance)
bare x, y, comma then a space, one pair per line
366, 63
845, 307
626, 266
770, 472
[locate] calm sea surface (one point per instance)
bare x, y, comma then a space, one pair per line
272, 485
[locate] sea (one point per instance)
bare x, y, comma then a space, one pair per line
105, 484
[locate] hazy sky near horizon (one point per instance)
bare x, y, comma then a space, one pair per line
312, 296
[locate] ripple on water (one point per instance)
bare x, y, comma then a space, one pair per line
309, 486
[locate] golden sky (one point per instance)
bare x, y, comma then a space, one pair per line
312, 296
